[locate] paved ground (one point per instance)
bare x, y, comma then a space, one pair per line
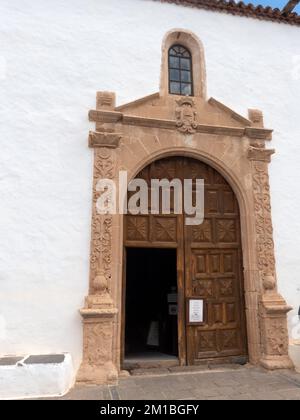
229, 383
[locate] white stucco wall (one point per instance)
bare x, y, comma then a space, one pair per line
24, 381
54, 56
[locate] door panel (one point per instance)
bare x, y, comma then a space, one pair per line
213, 272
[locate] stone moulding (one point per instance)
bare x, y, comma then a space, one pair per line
258, 133
104, 117
94, 313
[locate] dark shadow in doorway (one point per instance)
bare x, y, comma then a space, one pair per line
151, 310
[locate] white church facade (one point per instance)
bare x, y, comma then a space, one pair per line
209, 92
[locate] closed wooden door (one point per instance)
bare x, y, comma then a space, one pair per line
209, 260
213, 271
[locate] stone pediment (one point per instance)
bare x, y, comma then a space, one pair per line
211, 112
188, 115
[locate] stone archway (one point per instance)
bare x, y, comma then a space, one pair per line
130, 137
265, 308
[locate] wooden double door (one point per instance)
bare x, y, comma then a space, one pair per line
209, 261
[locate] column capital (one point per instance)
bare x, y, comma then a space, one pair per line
260, 154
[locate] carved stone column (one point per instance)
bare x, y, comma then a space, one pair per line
99, 313
273, 308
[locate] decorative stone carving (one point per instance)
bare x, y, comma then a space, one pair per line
97, 365
256, 117
106, 100
273, 308
277, 337
101, 297
264, 227
99, 312
269, 282
101, 247
258, 153
102, 139
274, 333
186, 116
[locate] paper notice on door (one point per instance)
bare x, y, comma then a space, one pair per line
196, 311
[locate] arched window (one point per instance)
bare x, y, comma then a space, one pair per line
180, 71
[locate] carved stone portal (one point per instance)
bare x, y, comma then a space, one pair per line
132, 136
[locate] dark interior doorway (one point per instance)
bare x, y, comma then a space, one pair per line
151, 303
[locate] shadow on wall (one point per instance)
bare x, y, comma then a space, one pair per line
295, 354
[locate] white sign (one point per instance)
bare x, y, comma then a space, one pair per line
196, 311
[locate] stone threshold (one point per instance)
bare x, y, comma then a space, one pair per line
187, 370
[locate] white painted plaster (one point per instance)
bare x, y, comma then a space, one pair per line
23, 381
54, 56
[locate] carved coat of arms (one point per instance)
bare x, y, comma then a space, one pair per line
186, 116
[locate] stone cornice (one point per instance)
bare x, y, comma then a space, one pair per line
258, 133
277, 309
149, 122
220, 130
96, 313
118, 117
105, 116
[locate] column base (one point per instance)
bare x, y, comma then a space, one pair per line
277, 362
97, 375
98, 367
274, 331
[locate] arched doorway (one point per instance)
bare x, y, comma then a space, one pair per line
208, 258
172, 269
